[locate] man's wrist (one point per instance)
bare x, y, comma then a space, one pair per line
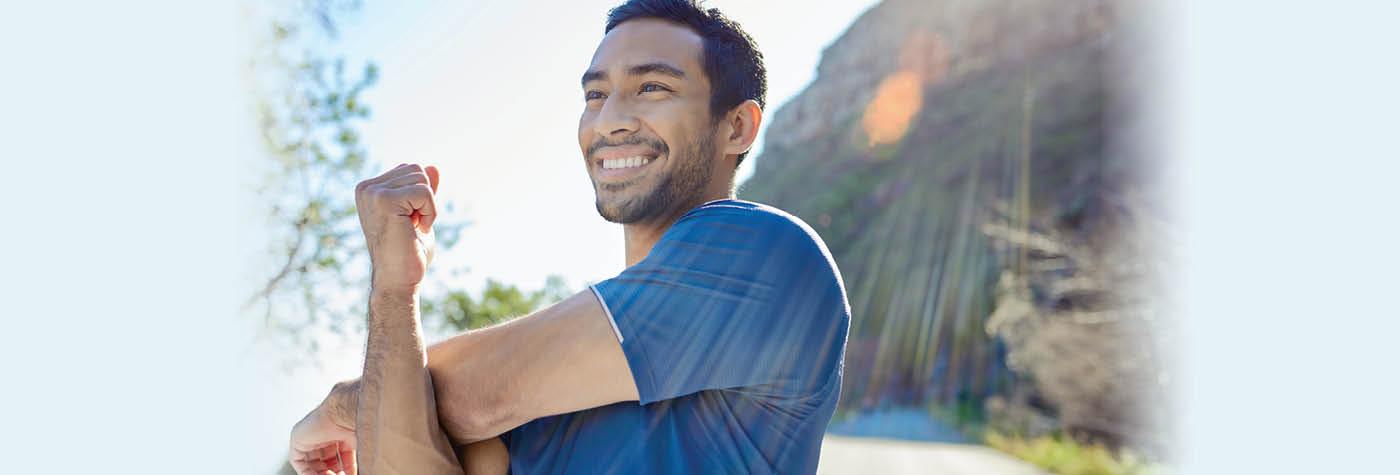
391, 289
389, 296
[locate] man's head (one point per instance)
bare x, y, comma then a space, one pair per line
678, 89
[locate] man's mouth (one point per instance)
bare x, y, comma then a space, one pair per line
622, 168
626, 162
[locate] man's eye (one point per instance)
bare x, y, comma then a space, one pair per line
653, 87
591, 95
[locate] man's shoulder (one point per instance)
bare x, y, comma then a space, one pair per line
761, 217
763, 228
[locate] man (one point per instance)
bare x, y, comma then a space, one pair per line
717, 350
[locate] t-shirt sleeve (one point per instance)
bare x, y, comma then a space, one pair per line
730, 298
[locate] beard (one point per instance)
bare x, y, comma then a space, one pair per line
680, 185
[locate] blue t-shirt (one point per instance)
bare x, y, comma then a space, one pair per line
734, 327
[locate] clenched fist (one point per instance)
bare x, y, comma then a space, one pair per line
396, 211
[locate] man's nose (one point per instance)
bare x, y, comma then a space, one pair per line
615, 119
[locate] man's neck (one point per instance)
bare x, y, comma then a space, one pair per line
639, 237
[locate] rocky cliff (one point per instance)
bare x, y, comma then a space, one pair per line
969, 159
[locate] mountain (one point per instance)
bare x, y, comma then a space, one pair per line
983, 173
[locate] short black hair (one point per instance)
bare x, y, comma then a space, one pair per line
732, 60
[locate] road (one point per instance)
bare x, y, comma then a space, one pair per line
861, 455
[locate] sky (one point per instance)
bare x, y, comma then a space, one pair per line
489, 93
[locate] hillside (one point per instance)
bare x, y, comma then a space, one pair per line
976, 168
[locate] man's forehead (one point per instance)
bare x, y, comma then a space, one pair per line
649, 40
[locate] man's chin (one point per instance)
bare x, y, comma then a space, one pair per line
633, 201
620, 210
610, 210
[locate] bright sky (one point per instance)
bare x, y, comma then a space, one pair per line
488, 92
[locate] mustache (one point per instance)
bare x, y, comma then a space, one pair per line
654, 144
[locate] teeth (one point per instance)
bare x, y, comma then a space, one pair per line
629, 162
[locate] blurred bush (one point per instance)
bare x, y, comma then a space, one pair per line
1065, 456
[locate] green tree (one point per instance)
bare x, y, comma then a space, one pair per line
498, 302
311, 108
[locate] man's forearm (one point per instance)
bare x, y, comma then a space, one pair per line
485, 457
341, 404
396, 422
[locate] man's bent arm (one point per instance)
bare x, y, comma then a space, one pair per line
396, 423
560, 359
487, 457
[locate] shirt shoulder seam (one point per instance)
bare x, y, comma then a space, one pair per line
607, 311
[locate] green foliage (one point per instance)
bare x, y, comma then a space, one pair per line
311, 109
498, 302
310, 113
1063, 455
965, 414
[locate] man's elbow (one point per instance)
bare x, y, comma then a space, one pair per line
469, 411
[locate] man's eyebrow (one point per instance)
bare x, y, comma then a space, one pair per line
658, 68
638, 70
594, 75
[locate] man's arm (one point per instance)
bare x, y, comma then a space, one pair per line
487, 457
396, 423
560, 359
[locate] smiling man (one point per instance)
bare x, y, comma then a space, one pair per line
717, 349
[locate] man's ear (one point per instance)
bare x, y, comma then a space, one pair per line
743, 121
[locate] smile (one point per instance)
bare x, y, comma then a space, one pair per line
629, 162
617, 170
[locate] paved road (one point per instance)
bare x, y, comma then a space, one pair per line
853, 455
904, 423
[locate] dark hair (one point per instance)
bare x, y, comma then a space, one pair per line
732, 61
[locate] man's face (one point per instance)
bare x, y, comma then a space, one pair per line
645, 133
